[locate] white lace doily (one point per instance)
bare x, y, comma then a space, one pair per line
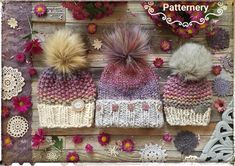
52, 155
17, 126
153, 153
12, 82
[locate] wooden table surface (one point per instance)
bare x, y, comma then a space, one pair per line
131, 13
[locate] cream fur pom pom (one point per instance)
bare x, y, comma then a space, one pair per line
192, 61
65, 52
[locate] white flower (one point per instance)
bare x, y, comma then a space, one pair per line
97, 44
12, 22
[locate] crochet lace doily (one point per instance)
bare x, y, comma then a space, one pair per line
17, 126
153, 153
52, 155
12, 82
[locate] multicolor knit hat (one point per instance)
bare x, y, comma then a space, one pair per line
128, 91
187, 93
66, 91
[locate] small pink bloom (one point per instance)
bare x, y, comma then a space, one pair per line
72, 157
158, 62
98, 4
167, 137
103, 139
115, 107
131, 107
196, 16
5, 112
20, 58
216, 69
33, 47
127, 145
22, 103
38, 138
219, 105
32, 71
7, 142
40, 10
165, 45
145, 106
77, 139
89, 148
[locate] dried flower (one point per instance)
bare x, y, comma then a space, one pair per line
219, 105
128, 145
38, 138
218, 38
222, 87
91, 28
7, 142
167, 137
40, 10
216, 69
227, 63
89, 148
77, 139
185, 142
22, 103
12, 22
166, 45
5, 112
20, 58
72, 157
158, 62
103, 139
32, 71
33, 47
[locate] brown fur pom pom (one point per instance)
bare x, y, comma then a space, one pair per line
126, 47
65, 52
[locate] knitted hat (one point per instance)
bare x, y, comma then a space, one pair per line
187, 93
66, 91
128, 91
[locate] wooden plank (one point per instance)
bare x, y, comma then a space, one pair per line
202, 130
102, 156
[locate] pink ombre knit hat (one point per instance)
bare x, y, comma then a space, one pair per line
66, 91
128, 90
187, 93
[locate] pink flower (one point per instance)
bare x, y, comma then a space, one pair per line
131, 107
22, 103
167, 137
145, 106
20, 58
5, 112
32, 71
165, 45
98, 4
89, 148
103, 139
127, 145
33, 47
191, 31
158, 62
219, 105
7, 142
40, 10
195, 16
115, 107
38, 138
77, 139
216, 69
72, 157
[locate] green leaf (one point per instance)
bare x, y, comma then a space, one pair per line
28, 36
58, 142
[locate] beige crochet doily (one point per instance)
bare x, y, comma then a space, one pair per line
17, 126
12, 82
